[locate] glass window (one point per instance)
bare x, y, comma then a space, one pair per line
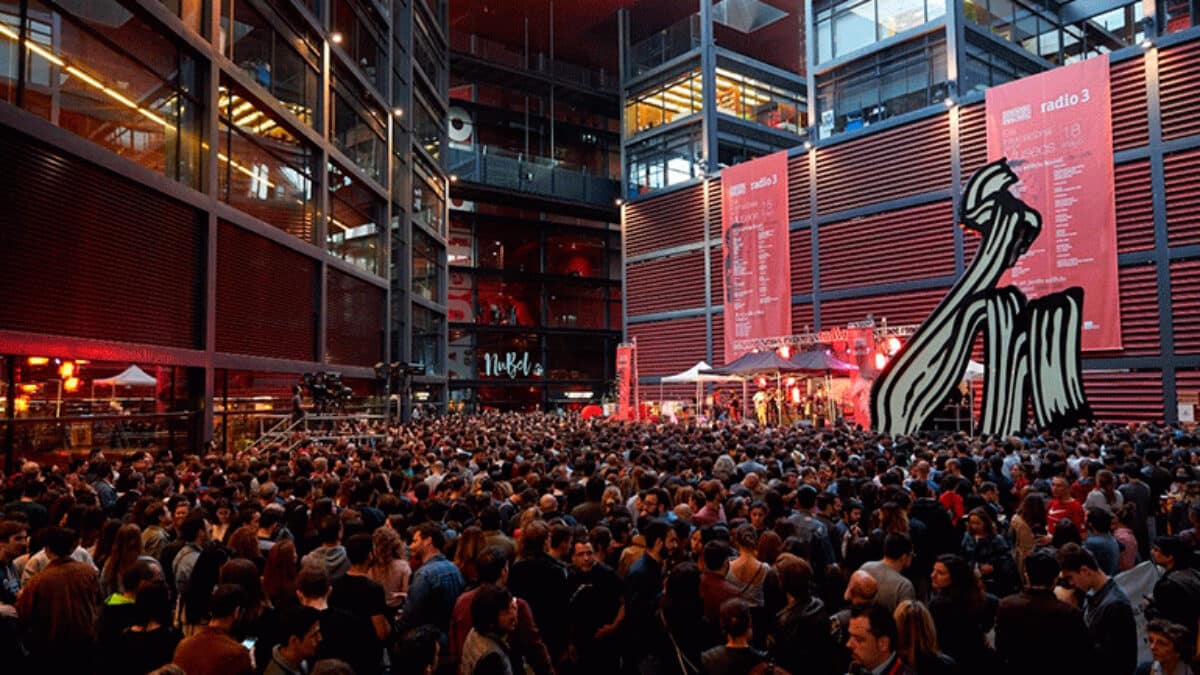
428, 127
508, 246
426, 267
460, 297
429, 330
854, 27
460, 361
508, 303
428, 198
80, 76
575, 254
897, 16
363, 38
358, 129
191, 12
575, 357
575, 306
276, 51
664, 160
427, 55
264, 169
460, 246
354, 226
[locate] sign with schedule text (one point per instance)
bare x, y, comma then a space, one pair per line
1055, 129
755, 252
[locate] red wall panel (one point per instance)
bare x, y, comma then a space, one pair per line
1179, 80
668, 347
1185, 305
266, 297
90, 254
1182, 178
877, 249
972, 129
1134, 396
1135, 212
666, 284
1140, 335
802, 317
799, 205
354, 323
908, 160
800, 248
1128, 79
901, 308
661, 222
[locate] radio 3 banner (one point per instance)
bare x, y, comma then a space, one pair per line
755, 253
1055, 128
626, 377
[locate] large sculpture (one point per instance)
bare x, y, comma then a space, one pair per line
1031, 348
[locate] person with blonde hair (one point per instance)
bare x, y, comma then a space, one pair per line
389, 566
917, 642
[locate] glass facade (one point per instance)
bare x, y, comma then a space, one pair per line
359, 127
354, 223
81, 74
363, 37
886, 83
851, 25
272, 46
264, 168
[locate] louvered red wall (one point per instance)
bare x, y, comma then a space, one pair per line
1135, 211
908, 160
1185, 305
87, 253
665, 284
1181, 173
917, 243
354, 320
266, 297
1133, 396
668, 347
671, 220
882, 248
1179, 80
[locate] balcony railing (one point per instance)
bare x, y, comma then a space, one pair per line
538, 175
535, 62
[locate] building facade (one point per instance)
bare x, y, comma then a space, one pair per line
227, 195
868, 194
534, 249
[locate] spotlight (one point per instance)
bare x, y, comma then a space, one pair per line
453, 178
808, 145
398, 112
1147, 43
336, 38
949, 101
619, 202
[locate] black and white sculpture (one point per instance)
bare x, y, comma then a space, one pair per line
1031, 348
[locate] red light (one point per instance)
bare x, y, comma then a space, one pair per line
880, 361
29, 388
893, 345
67, 369
38, 360
71, 383
785, 351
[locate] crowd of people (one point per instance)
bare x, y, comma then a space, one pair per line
526, 543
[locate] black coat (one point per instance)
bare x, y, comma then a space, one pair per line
1038, 634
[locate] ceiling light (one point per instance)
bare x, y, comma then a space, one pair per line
336, 38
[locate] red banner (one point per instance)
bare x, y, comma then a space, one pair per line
755, 252
626, 374
1055, 128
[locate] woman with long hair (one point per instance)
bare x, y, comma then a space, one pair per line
243, 543
1126, 539
917, 640
988, 552
195, 600
963, 613
1105, 493
469, 544
126, 547
1028, 528
104, 542
681, 633
279, 575
389, 566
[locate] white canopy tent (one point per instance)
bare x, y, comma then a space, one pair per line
695, 375
130, 377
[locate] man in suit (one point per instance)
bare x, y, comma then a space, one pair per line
1036, 632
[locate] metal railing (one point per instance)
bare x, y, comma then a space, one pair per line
538, 175
678, 38
535, 62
